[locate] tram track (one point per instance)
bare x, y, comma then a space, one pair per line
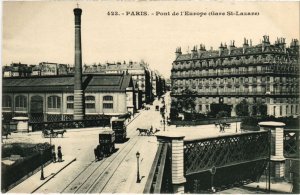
76, 186
80, 184
101, 181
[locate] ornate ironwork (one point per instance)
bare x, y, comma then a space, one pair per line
105, 121
201, 155
54, 117
291, 143
38, 117
239, 159
225, 177
68, 117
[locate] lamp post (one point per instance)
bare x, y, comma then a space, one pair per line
236, 127
213, 172
42, 165
164, 116
138, 171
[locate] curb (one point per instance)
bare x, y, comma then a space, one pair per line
53, 175
134, 118
273, 191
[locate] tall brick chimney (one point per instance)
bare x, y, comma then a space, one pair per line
78, 92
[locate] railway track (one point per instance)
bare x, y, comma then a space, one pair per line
95, 176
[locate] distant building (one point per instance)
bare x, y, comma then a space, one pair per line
168, 85
16, 70
47, 68
139, 72
51, 98
158, 84
42, 69
267, 73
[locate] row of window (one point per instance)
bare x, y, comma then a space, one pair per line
54, 102
237, 79
238, 60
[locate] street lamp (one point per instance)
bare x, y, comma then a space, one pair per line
213, 172
138, 171
42, 165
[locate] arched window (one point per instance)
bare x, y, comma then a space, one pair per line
90, 102
21, 101
108, 98
54, 102
70, 102
108, 102
6, 101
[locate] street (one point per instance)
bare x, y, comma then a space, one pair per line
114, 174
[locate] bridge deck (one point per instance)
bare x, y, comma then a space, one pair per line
202, 131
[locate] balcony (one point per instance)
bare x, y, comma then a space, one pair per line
247, 93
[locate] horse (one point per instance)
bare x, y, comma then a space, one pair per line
142, 131
61, 132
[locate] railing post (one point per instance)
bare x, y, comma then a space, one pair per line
176, 145
277, 159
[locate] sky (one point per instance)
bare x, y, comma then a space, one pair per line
38, 31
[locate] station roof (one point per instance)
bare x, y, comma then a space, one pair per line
65, 83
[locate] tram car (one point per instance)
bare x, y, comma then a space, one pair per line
106, 144
118, 126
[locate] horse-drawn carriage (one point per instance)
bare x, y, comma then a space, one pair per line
118, 126
47, 133
147, 132
106, 145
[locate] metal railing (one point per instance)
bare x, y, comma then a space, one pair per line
291, 143
232, 73
239, 93
70, 124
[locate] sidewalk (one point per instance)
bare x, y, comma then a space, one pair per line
33, 183
278, 187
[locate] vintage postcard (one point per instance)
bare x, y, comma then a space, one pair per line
150, 97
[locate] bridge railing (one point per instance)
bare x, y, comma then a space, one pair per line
70, 124
201, 154
158, 179
291, 143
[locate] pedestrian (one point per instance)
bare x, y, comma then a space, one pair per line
59, 154
220, 125
53, 154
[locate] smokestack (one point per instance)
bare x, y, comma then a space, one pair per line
78, 92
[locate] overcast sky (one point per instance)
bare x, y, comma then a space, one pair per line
44, 31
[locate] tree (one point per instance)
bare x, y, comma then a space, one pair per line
188, 100
259, 108
222, 114
242, 108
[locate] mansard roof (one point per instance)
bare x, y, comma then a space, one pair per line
235, 51
65, 83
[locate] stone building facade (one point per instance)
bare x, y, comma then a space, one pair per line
139, 71
51, 98
268, 73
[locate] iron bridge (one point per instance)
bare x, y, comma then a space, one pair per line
225, 161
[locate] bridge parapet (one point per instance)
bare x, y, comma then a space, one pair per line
175, 144
223, 151
277, 147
